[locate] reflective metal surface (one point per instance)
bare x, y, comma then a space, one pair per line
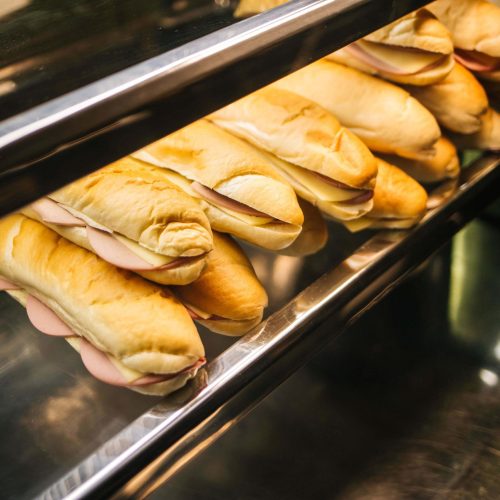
73, 134
165, 437
404, 405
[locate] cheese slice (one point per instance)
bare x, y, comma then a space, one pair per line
155, 259
358, 224
403, 60
197, 311
252, 220
315, 185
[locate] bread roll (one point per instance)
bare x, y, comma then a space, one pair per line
458, 102
139, 324
228, 297
230, 170
299, 131
399, 201
384, 116
488, 136
444, 165
416, 49
313, 236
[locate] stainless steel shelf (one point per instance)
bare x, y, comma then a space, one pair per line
73, 134
154, 446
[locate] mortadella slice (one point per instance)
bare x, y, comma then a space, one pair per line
224, 201
7, 285
46, 320
476, 61
52, 213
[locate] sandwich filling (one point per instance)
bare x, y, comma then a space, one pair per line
395, 60
477, 61
333, 197
100, 364
110, 246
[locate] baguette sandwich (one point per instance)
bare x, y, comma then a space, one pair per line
128, 331
235, 184
475, 29
458, 102
319, 155
444, 165
488, 136
227, 298
416, 49
132, 220
399, 202
385, 117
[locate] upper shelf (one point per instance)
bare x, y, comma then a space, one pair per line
83, 83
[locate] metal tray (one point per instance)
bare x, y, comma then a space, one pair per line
65, 435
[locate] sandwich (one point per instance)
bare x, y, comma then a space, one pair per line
129, 332
475, 29
488, 136
444, 165
399, 202
227, 298
317, 154
416, 49
458, 102
132, 220
385, 117
313, 236
235, 184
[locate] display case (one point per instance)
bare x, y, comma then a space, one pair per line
84, 83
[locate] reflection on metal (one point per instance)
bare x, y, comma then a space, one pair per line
488, 377
190, 423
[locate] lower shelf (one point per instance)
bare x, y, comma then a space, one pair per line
67, 435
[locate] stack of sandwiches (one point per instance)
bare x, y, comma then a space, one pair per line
123, 262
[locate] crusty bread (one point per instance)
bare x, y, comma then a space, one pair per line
228, 287
152, 211
423, 78
313, 236
458, 102
488, 136
301, 132
418, 30
181, 275
205, 153
474, 24
140, 324
444, 165
397, 195
384, 116
250, 7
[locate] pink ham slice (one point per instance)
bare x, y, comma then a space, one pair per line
111, 250
51, 213
7, 285
224, 201
99, 365
361, 198
475, 61
358, 52
333, 182
45, 320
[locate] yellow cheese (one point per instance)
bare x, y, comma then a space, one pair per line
155, 259
247, 219
315, 185
358, 224
403, 60
197, 311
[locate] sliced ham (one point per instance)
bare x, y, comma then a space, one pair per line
361, 198
476, 61
219, 199
46, 320
355, 50
7, 285
51, 213
333, 182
